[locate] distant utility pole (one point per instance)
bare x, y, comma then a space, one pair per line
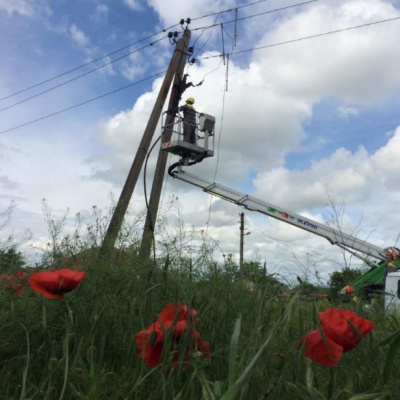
126, 194
242, 234
178, 88
241, 227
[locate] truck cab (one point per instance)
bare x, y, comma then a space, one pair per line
392, 291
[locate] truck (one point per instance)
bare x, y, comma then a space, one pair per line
374, 281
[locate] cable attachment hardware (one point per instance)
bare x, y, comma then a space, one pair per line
172, 37
182, 21
189, 54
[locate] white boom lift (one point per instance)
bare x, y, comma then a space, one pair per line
191, 154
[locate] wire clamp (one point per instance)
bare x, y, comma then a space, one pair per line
172, 37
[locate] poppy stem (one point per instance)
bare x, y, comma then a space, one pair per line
70, 322
331, 383
70, 314
66, 364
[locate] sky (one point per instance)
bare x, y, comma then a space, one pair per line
306, 110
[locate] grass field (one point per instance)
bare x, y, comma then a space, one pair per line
84, 347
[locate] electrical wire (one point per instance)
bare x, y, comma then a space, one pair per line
79, 76
209, 37
231, 9
123, 48
306, 37
208, 57
217, 163
284, 246
225, 223
258, 15
84, 102
151, 222
130, 53
86, 64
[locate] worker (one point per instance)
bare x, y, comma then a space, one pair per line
189, 121
391, 256
351, 293
349, 289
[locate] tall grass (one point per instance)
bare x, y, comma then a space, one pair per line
84, 347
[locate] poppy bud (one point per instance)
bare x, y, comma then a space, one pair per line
277, 361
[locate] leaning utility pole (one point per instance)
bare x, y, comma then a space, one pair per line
126, 194
241, 227
178, 88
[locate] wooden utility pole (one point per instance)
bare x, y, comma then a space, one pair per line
241, 227
126, 194
178, 88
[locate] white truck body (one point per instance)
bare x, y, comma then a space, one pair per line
392, 292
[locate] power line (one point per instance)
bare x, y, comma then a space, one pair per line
208, 57
127, 46
79, 76
86, 64
81, 104
259, 14
306, 37
231, 9
287, 243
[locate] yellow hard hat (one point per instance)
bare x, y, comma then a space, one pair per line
190, 100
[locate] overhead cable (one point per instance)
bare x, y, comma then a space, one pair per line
79, 76
86, 64
84, 102
127, 46
257, 15
306, 37
231, 9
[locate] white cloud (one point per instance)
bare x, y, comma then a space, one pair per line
346, 112
78, 36
133, 5
26, 8
101, 12
261, 120
168, 11
387, 161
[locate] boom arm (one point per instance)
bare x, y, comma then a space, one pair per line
252, 203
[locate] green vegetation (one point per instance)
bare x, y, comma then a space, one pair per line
339, 279
84, 347
11, 260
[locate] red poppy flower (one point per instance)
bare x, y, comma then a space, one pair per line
175, 311
345, 327
177, 323
151, 343
16, 282
322, 350
54, 284
342, 332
